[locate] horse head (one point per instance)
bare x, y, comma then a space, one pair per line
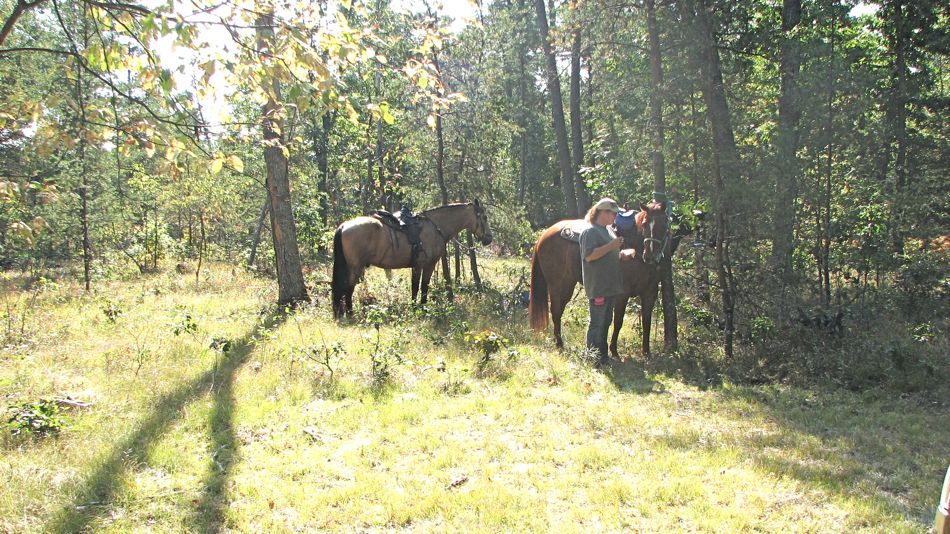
481, 229
654, 226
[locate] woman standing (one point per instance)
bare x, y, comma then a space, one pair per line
600, 269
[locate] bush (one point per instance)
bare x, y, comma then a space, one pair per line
39, 418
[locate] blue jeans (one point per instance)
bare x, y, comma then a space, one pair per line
601, 316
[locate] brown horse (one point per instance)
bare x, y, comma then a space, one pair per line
556, 270
364, 241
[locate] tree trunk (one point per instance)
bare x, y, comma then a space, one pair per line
257, 233
83, 188
290, 282
670, 325
726, 166
201, 247
557, 114
787, 165
321, 149
577, 123
897, 120
825, 236
523, 126
472, 261
701, 273
443, 190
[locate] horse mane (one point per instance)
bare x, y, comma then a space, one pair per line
445, 206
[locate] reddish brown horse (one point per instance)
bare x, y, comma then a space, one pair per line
364, 241
556, 270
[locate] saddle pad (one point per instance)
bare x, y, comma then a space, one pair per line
625, 219
573, 229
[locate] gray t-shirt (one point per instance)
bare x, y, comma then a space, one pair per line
601, 276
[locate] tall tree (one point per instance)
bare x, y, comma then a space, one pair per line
568, 183
659, 168
725, 166
577, 122
788, 172
290, 283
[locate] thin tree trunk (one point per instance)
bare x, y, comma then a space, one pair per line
577, 122
83, 185
523, 127
290, 282
384, 201
201, 246
557, 113
443, 190
726, 166
897, 108
472, 261
787, 165
701, 273
321, 148
670, 325
257, 233
825, 243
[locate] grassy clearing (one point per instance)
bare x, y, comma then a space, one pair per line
293, 428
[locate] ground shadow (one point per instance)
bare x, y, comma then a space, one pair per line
631, 377
99, 491
894, 446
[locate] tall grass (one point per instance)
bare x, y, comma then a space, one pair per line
259, 420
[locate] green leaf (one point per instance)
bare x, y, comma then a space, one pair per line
166, 81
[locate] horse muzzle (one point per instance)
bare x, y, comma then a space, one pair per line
485, 239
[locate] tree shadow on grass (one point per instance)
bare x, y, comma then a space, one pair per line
101, 489
886, 452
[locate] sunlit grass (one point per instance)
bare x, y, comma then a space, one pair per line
181, 437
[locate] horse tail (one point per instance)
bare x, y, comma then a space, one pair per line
341, 275
538, 297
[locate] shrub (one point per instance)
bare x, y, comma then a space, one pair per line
40, 418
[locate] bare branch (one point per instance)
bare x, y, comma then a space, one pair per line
22, 6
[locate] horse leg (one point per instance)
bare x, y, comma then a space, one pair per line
620, 306
426, 277
348, 301
416, 274
355, 277
647, 300
559, 301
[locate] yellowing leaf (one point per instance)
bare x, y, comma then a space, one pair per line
236, 162
216, 165
21, 230
38, 224
387, 116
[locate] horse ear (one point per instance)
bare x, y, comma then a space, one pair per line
477, 206
643, 207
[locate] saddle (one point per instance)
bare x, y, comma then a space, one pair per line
572, 232
407, 222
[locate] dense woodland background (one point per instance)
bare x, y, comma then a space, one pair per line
812, 135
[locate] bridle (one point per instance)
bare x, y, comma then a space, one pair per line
665, 241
